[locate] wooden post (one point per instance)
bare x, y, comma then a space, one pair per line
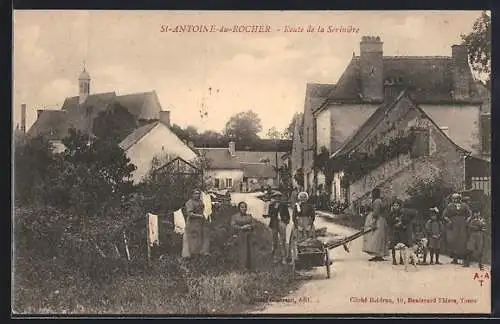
126, 245
147, 237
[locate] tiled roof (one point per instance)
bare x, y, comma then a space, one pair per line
136, 135
368, 128
258, 170
51, 124
80, 117
136, 104
316, 94
260, 145
427, 79
98, 100
320, 90
219, 158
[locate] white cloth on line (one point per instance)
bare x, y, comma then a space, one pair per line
179, 222
207, 203
153, 238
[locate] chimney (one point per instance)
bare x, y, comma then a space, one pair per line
232, 148
371, 65
23, 118
165, 117
460, 72
38, 113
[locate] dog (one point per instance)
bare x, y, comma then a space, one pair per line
422, 247
408, 254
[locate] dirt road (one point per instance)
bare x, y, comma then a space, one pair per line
360, 286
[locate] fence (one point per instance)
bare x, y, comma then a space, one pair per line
482, 183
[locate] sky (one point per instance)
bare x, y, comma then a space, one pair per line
126, 52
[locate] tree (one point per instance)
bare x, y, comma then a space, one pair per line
32, 163
191, 133
273, 133
243, 126
478, 43
179, 132
114, 123
93, 176
290, 130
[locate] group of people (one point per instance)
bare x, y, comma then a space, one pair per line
197, 211
277, 210
458, 228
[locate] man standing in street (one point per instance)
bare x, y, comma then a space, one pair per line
279, 219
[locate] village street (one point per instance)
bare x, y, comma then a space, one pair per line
450, 288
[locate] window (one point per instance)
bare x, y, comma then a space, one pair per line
217, 183
421, 145
229, 183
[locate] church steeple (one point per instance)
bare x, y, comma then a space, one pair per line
83, 85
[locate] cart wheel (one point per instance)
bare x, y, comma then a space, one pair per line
327, 263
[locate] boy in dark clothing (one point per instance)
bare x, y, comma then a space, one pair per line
434, 229
400, 227
279, 219
476, 226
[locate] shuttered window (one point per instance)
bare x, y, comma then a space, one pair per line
421, 144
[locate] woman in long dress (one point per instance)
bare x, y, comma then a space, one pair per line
456, 215
244, 240
303, 218
376, 243
196, 235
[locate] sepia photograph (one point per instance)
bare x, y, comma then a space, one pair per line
251, 162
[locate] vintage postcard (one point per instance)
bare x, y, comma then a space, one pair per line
249, 162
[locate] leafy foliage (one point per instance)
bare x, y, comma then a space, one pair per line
166, 188
273, 133
358, 164
32, 163
243, 126
426, 194
478, 43
290, 130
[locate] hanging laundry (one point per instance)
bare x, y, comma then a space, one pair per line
153, 238
179, 222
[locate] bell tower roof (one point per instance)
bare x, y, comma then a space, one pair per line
84, 75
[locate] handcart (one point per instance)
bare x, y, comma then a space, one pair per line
312, 253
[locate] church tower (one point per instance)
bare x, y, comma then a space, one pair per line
84, 86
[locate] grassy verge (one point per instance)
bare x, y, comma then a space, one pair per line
168, 285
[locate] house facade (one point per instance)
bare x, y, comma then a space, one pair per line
441, 86
257, 176
244, 167
316, 94
154, 140
297, 154
225, 170
150, 138
398, 145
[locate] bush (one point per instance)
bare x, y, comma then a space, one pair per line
168, 285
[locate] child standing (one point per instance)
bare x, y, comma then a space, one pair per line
475, 243
434, 229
